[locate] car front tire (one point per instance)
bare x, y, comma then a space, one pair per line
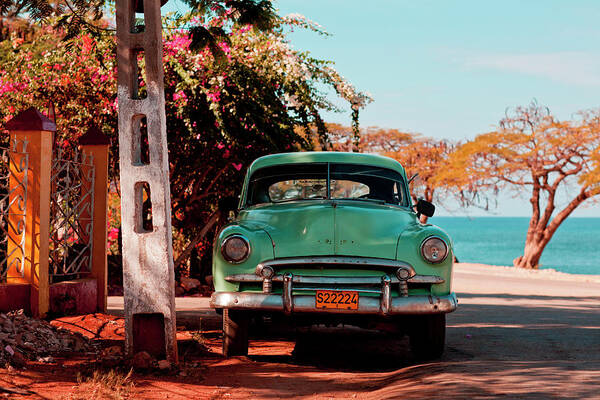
428, 336
235, 332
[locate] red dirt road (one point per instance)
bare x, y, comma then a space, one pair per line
515, 335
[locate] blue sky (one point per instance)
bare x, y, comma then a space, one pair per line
449, 69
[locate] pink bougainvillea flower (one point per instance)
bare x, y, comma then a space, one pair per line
87, 44
214, 97
237, 166
179, 95
245, 28
113, 234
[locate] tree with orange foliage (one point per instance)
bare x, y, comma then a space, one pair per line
339, 138
335, 137
535, 153
422, 157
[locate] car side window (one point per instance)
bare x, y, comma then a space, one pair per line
398, 193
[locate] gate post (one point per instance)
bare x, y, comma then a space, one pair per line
148, 273
95, 143
38, 130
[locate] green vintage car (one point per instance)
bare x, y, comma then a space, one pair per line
332, 238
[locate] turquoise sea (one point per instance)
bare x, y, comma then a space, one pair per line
498, 240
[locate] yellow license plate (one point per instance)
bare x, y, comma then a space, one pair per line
345, 299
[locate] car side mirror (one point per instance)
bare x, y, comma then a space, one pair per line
426, 208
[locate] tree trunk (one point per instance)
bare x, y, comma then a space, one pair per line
212, 220
541, 231
534, 247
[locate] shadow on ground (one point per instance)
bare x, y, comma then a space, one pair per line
535, 347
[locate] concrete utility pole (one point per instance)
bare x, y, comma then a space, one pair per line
148, 273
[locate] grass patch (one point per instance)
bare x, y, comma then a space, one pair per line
110, 385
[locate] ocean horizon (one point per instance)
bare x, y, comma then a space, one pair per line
498, 240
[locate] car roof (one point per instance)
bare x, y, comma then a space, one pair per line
326, 156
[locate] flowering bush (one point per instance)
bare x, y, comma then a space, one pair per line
225, 107
78, 80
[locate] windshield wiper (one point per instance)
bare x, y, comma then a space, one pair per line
378, 201
299, 199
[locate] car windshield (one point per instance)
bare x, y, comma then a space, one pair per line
316, 181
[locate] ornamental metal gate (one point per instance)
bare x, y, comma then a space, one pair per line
71, 216
53, 219
14, 164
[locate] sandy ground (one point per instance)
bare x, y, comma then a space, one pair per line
516, 334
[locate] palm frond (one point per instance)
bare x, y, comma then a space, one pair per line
259, 14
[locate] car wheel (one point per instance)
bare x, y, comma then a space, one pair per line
235, 332
428, 336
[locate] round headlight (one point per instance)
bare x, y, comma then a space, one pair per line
235, 249
434, 249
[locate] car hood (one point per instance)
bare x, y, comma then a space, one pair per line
349, 228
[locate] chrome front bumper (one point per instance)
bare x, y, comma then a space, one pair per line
397, 277
384, 304
366, 305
